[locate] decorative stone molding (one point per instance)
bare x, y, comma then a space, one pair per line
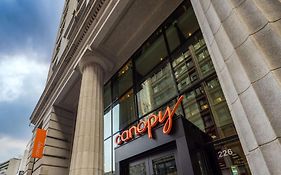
244, 45
91, 56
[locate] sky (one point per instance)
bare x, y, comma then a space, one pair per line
28, 30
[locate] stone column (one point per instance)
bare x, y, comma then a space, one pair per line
244, 40
87, 152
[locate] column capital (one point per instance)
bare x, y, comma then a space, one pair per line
91, 56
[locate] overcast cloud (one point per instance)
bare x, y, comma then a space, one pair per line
27, 35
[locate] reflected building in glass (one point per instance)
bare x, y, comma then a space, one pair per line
117, 63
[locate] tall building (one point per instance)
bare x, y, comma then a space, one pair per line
118, 63
10, 167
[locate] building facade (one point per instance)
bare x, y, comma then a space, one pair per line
118, 62
10, 167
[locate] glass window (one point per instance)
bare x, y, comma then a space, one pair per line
137, 169
187, 22
163, 108
116, 119
215, 91
231, 158
156, 90
203, 58
173, 37
123, 81
150, 54
185, 72
181, 25
107, 95
114, 146
107, 156
124, 112
219, 108
197, 110
164, 165
107, 124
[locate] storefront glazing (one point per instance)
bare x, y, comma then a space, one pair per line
174, 61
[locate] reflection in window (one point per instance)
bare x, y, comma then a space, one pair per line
163, 108
181, 26
124, 112
164, 165
151, 53
197, 110
137, 169
123, 81
107, 124
187, 23
173, 37
185, 72
203, 58
220, 109
107, 156
156, 90
231, 156
107, 95
192, 107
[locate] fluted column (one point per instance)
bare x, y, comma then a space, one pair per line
87, 153
244, 40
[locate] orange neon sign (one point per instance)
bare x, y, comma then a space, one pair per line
38, 144
147, 125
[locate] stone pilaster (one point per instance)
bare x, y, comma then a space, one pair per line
87, 153
244, 40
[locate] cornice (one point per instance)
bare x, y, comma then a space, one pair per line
90, 16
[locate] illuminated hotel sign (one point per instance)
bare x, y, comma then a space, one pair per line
146, 125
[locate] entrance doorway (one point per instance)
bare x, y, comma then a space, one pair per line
186, 151
161, 164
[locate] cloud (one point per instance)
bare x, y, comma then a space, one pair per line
22, 75
27, 32
11, 147
24, 19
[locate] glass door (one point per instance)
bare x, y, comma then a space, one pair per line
139, 167
165, 165
161, 164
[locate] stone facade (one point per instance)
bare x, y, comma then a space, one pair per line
244, 40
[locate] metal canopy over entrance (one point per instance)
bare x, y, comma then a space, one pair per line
185, 151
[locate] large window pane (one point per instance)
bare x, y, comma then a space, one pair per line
219, 108
124, 112
231, 157
202, 57
185, 71
107, 124
107, 156
163, 108
173, 37
151, 53
180, 26
116, 119
197, 110
187, 22
123, 81
114, 146
107, 95
156, 90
